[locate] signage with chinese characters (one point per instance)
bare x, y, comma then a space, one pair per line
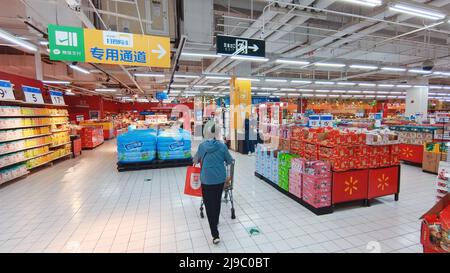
57, 97
108, 47
230, 45
6, 91
32, 94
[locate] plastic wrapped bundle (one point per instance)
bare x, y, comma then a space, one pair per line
137, 146
174, 144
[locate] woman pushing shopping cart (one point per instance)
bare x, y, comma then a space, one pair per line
213, 155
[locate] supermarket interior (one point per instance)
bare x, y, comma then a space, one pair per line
336, 114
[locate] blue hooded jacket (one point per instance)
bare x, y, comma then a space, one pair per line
213, 155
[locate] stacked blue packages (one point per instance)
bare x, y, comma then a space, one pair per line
174, 144
137, 146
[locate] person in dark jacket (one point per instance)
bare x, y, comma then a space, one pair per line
213, 156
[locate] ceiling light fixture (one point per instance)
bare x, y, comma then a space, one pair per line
367, 84
284, 61
56, 82
180, 85
13, 39
217, 77
248, 79
420, 12
186, 76
202, 86
395, 69
385, 85
268, 88
251, 59
79, 69
419, 71
368, 3
105, 89
330, 64
275, 80
301, 82
403, 86
262, 94
324, 83
346, 83
361, 66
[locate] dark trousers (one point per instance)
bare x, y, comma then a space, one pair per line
212, 198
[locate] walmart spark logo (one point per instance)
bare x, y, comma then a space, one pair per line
351, 185
407, 152
383, 182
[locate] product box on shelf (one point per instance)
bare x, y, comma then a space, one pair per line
295, 183
317, 200
10, 173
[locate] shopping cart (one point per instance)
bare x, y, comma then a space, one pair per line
228, 191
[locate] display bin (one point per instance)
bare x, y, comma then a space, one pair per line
411, 153
428, 246
91, 137
76, 145
384, 181
350, 186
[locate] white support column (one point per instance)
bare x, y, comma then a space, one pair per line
417, 100
38, 65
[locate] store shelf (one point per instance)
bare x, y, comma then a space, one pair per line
61, 156
60, 123
27, 148
59, 131
12, 178
22, 127
40, 164
26, 159
20, 102
28, 137
58, 145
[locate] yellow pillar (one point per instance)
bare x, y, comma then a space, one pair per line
240, 108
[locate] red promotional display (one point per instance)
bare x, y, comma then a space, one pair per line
91, 137
192, 185
350, 186
434, 234
411, 152
383, 181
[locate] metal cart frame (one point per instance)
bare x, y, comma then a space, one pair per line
228, 193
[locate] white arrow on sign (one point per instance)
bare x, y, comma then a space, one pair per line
161, 51
254, 48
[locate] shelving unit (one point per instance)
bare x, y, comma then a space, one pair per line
57, 125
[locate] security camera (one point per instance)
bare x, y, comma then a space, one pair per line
428, 65
74, 4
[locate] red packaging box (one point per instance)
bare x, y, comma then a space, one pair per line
318, 168
317, 200
313, 183
433, 216
394, 149
339, 165
394, 159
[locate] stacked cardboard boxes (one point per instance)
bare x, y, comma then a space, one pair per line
91, 136
284, 164
295, 176
316, 184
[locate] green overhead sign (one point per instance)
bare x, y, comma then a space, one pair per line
66, 43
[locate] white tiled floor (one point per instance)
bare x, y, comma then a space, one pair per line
85, 205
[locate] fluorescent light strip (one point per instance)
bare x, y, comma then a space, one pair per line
300, 81
156, 75
202, 86
206, 55
248, 79
417, 12
275, 80
320, 95
287, 89
368, 92
223, 86
11, 38
346, 83
307, 95
395, 69
338, 91
211, 92
284, 61
322, 91
105, 90
353, 91
305, 90
403, 86
435, 87
333, 96
293, 95
79, 69
385, 85
329, 64
367, 84
382, 92
186, 76
361, 66
192, 92
420, 86
55, 82
180, 85
217, 77
251, 59
419, 71
367, 3
398, 93
324, 83
268, 88
262, 94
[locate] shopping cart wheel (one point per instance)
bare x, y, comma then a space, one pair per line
233, 215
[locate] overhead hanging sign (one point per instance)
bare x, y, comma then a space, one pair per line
32, 94
57, 97
6, 91
230, 45
107, 47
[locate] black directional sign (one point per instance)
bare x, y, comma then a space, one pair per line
230, 45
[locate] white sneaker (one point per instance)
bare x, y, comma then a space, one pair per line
216, 240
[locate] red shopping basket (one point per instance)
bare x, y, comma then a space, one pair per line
193, 186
